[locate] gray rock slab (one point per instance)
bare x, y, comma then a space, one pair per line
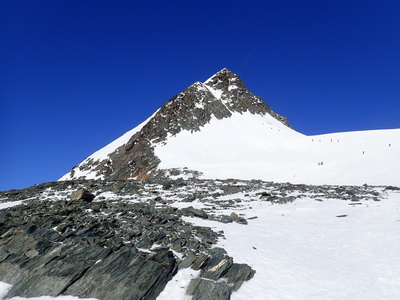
124, 275
204, 289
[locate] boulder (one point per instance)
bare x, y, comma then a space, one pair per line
203, 289
82, 194
191, 211
237, 274
217, 265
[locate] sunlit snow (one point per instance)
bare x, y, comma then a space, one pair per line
248, 146
302, 250
216, 93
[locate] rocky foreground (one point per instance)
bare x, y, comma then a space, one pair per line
127, 239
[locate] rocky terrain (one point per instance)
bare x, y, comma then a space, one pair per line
127, 239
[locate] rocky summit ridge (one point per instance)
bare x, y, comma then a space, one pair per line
220, 96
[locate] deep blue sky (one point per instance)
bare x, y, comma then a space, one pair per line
75, 75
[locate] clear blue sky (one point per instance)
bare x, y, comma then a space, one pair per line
75, 75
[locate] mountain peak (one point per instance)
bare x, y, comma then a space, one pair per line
226, 85
223, 79
225, 71
220, 97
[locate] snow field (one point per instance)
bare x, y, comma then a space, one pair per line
302, 250
176, 288
247, 146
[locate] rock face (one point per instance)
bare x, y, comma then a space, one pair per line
218, 97
56, 248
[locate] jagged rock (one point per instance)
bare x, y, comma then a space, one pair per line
223, 219
123, 275
191, 211
203, 289
263, 194
166, 259
217, 264
144, 242
392, 188
241, 220
178, 244
188, 260
200, 261
82, 194
237, 274
190, 198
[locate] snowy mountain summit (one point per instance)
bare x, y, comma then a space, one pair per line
219, 129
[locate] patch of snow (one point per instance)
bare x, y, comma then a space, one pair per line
144, 250
232, 87
199, 105
10, 204
177, 286
200, 86
216, 93
5, 287
52, 298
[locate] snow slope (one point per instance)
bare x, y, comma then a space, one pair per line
247, 146
303, 251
